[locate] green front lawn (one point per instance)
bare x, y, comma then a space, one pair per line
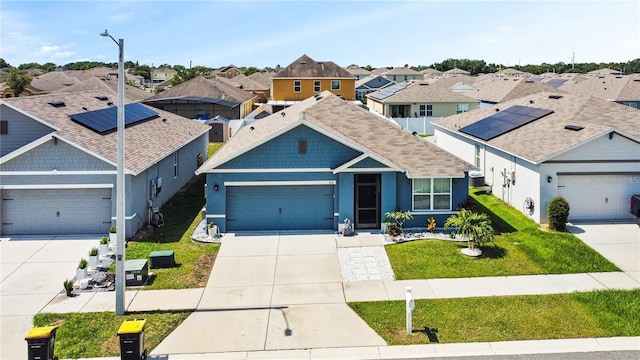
520, 248
575, 315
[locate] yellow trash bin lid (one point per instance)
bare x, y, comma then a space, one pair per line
41, 332
132, 326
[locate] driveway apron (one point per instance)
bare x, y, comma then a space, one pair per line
272, 291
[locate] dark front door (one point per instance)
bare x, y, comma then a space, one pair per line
367, 201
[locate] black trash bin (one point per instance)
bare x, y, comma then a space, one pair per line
131, 334
41, 343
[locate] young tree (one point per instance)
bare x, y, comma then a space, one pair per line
475, 227
18, 80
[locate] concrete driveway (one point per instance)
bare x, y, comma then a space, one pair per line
272, 291
31, 274
618, 242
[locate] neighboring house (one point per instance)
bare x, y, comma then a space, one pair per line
371, 84
323, 160
358, 72
431, 73
605, 72
548, 144
492, 89
204, 98
264, 78
58, 162
400, 74
511, 72
455, 72
306, 77
228, 72
624, 90
53, 81
162, 75
108, 86
6, 92
420, 101
252, 87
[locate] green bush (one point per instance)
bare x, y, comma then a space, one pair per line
558, 213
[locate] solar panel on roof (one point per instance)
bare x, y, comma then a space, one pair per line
504, 121
105, 120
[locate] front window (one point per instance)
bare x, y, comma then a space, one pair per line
335, 84
460, 108
297, 86
175, 164
477, 155
431, 194
316, 86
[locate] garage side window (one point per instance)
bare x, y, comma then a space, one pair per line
431, 194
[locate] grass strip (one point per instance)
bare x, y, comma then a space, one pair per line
483, 319
89, 335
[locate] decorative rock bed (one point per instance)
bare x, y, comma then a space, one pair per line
412, 234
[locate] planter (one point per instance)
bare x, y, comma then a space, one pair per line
93, 262
104, 250
112, 238
69, 292
475, 252
81, 274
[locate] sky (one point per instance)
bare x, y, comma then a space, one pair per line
262, 34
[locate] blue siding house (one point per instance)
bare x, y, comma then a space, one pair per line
59, 172
324, 160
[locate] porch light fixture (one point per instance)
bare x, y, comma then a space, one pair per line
549, 178
215, 187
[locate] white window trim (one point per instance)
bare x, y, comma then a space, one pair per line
317, 86
297, 84
431, 194
339, 84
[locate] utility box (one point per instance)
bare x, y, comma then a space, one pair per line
131, 334
476, 179
136, 272
41, 343
162, 259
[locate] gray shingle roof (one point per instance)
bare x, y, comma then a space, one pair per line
617, 88
498, 88
145, 143
205, 87
422, 91
546, 137
107, 86
306, 67
366, 131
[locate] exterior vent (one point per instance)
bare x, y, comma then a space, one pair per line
102, 98
573, 127
57, 103
555, 97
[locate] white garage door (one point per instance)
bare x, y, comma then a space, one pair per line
598, 197
56, 211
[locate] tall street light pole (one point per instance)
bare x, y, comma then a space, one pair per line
120, 225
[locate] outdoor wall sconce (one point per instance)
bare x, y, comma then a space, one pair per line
215, 187
549, 178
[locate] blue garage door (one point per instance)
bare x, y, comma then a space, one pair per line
308, 207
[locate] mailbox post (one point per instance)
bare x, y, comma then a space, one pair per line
411, 304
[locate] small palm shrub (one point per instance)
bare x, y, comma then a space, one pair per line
558, 213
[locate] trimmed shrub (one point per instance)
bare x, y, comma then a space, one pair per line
558, 213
